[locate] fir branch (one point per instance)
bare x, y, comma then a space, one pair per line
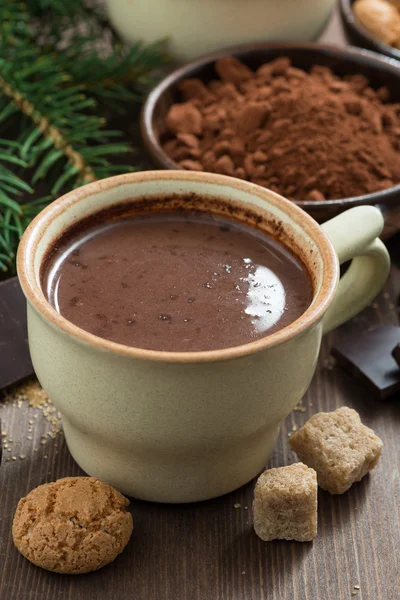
123, 76
11, 188
55, 80
86, 174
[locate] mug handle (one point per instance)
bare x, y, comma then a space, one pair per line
354, 236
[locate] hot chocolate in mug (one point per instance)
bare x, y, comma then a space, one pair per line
188, 426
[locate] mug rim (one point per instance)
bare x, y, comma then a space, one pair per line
35, 295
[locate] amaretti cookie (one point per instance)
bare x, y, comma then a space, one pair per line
73, 525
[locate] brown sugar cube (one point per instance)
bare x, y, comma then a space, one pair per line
285, 504
339, 447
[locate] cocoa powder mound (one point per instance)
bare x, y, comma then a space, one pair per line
308, 136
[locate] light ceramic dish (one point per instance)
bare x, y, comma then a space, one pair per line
193, 27
187, 426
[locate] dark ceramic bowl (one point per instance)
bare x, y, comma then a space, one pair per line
357, 34
343, 61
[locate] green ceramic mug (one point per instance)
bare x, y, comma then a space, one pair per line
181, 427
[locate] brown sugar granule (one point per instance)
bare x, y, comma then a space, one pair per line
73, 525
307, 135
339, 447
285, 504
32, 393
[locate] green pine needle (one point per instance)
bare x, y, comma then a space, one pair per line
55, 93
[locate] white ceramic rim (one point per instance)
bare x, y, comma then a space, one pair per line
37, 299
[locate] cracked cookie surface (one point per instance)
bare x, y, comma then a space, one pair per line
73, 525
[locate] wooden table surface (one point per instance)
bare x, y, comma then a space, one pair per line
209, 551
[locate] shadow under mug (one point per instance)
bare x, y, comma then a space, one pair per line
188, 426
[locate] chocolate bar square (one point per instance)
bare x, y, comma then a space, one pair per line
368, 356
15, 363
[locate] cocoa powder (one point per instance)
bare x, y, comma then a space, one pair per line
309, 136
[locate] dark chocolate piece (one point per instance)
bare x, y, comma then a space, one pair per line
368, 356
15, 363
396, 354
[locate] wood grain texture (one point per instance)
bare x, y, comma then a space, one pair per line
208, 551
